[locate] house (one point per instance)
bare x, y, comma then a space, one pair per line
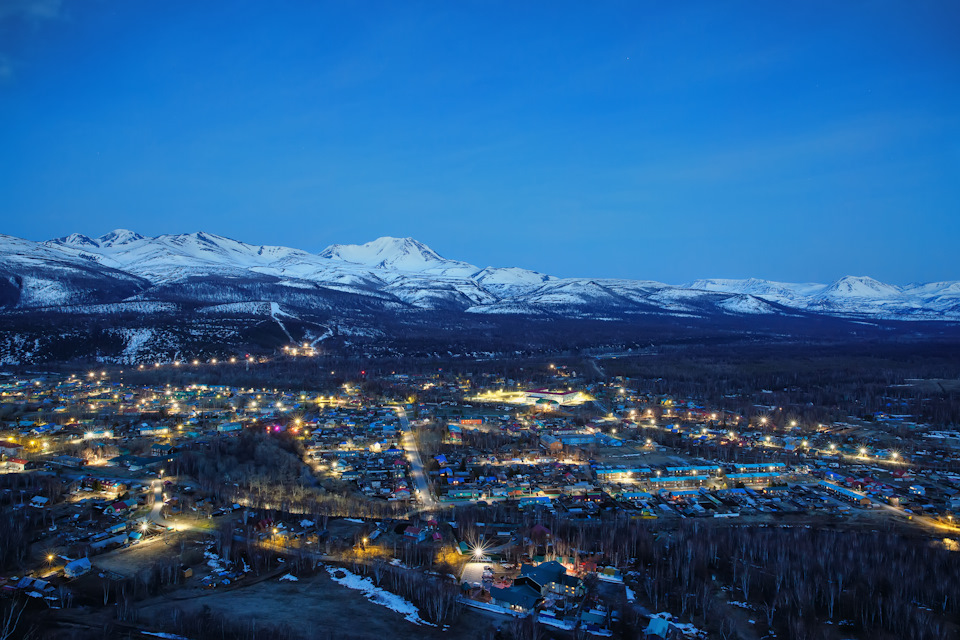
120, 506
415, 533
118, 539
8, 448
521, 598
18, 464
76, 568
551, 577
161, 450
540, 532
660, 628
39, 502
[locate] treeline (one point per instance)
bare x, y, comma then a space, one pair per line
266, 471
18, 521
437, 598
813, 383
798, 578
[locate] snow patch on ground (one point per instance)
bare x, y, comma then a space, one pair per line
214, 561
685, 628
136, 340
253, 308
376, 595
289, 577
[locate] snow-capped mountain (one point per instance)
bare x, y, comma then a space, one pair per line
203, 267
151, 288
397, 254
852, 296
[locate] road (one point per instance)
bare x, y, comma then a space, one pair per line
180, 525
158, 504
419, 476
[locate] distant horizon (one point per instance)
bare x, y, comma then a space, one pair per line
482, 265
666, 141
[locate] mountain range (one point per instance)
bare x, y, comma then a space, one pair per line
357, 289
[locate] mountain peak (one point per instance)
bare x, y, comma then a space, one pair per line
861, 287
404, 254
76, 240
118, 237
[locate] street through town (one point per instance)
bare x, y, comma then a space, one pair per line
416, 464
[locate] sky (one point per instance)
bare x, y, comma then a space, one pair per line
792, 141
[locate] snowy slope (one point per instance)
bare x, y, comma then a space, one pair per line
32, 275
397, 254
393, 274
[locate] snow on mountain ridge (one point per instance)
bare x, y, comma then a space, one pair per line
860, 287
403, 254
77, 240
118, 237
409, 272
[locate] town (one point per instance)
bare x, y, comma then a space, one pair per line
554, 502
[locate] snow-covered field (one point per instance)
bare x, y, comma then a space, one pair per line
375, 594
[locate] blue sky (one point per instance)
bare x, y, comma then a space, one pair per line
651, 140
